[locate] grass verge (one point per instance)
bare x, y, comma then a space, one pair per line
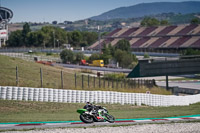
22, 111
29, 76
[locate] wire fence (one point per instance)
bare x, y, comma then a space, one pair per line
60, 78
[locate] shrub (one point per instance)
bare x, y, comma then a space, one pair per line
115, 76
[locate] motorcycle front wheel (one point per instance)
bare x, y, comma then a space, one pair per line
86, 118
109, 118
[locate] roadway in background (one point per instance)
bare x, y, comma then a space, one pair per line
88, 52
95, 68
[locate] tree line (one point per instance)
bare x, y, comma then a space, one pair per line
120, 53
49, 36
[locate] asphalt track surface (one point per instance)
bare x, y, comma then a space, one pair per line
65, 124
181, 84
95, 68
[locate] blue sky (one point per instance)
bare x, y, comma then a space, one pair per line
61, 10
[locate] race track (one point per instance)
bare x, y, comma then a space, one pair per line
63, 124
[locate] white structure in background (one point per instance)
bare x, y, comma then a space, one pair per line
3, 36
5, 16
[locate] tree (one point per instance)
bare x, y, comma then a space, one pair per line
147, 21
127, 59
112, 49
195, 21
74, 38
50, 33
79, 56
191, 52
119, 55
15, 39
164, 22
106, 56
123, 45
54, 22
88, 38
67, 56
25, 31
124, 58
94, 56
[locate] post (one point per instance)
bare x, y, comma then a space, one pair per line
54, 39
99, 82
104, 83
82, 82
134, 83
128, 82
124, 83
112, 83
61, 79
41, 79
17, 80
75, 79
94, 82
167, 83
88, 81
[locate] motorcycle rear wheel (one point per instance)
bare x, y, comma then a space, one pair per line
86, 118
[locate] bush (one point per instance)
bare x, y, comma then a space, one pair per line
49, 53
67, 56
115, 76
191, 52
146, 55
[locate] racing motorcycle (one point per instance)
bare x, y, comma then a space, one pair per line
97, 114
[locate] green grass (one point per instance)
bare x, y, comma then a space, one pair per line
29, 76
21, 111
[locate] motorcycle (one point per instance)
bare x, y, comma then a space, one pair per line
98, 114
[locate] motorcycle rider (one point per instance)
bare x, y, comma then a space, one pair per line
89, 106
92, 108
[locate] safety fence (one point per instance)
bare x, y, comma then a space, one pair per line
63, 79
75, 96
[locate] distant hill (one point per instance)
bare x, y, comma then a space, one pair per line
146, 9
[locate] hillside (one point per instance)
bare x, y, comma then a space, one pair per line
146, 9
29, 74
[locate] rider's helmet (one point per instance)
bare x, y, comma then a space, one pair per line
88, 103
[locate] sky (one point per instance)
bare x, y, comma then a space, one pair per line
61, 10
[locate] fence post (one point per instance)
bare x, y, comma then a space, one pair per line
112, 83
124, 83
41, 78
99, 82
75, 79
82, 82
117, 84
88, 81
104, 83
61, 79
138, 83
134, 83
108, 83
17, 79
94, 82
128, 82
